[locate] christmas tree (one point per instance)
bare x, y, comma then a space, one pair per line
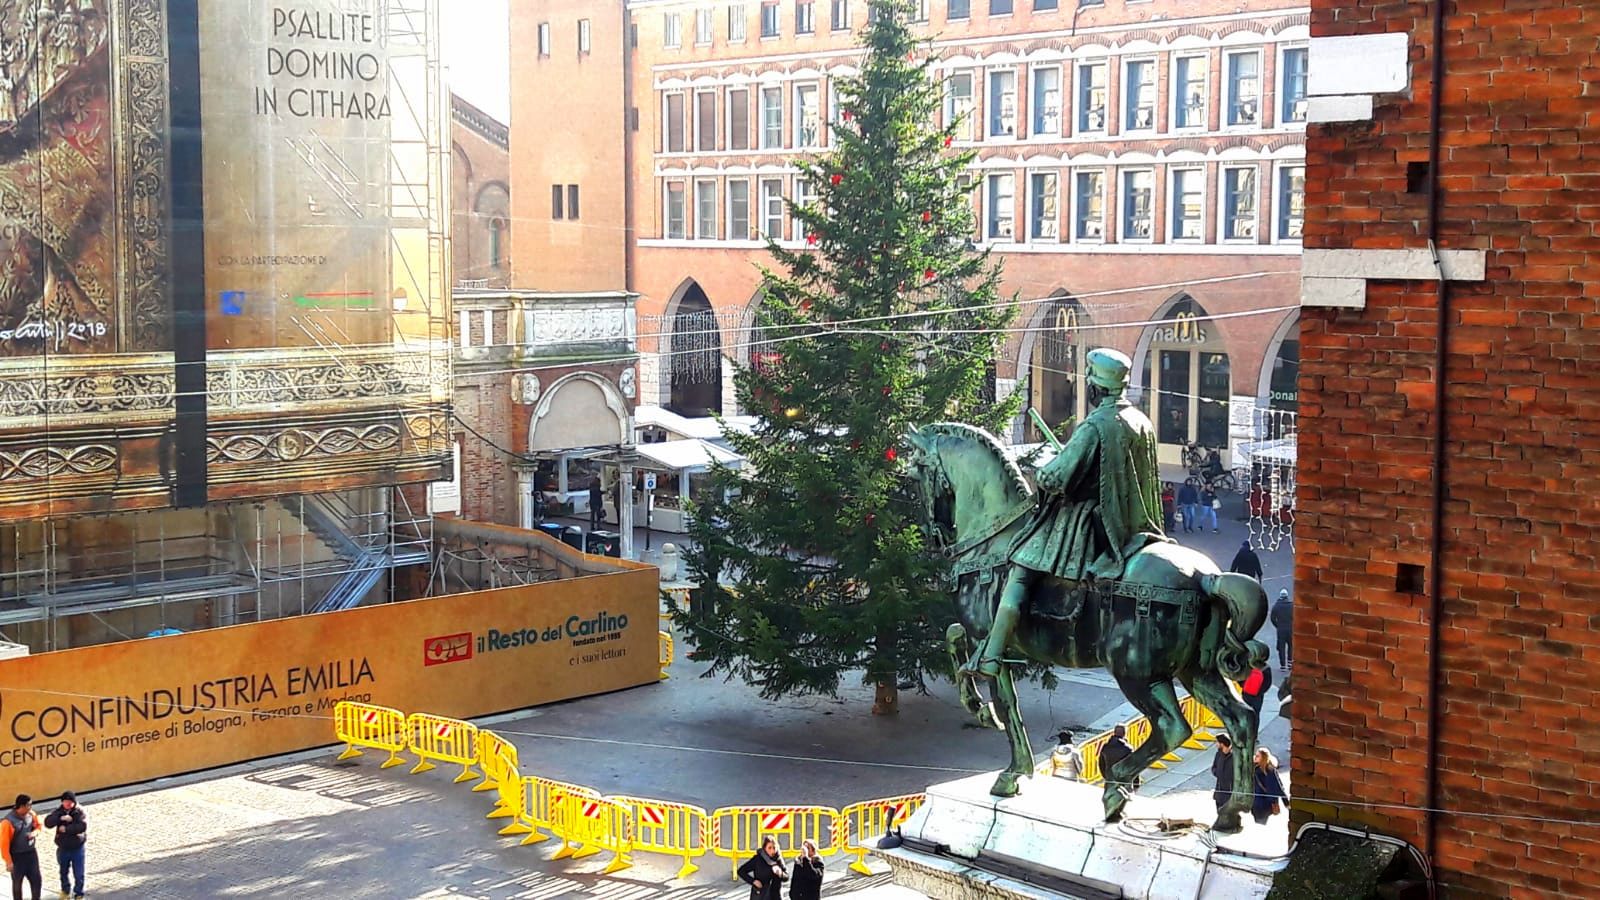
885, 319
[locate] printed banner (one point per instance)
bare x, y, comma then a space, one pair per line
127, 712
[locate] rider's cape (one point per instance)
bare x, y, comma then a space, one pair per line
1108, 506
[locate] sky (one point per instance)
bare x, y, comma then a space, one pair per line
477, 54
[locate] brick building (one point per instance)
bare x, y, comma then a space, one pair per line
1446, 651
1121, 145
480, 196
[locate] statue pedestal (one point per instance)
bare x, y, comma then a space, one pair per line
1051, 841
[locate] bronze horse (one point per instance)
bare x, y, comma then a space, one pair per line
1172, 615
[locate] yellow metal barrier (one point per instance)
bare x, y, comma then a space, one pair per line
665, 644
374, 727
737, 831
446, 740
859, 823
674, 829
588, 823
539, 806
497, 757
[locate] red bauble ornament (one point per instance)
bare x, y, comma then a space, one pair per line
928, 274
891, 455
927, 217
871, 517
886, 391
948, 140
848, 115
805, 305
811, 239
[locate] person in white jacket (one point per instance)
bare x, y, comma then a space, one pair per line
1065, 760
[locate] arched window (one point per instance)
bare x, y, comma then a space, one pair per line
1056, 369
1187, 371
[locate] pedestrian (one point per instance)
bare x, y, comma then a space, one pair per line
1268, 787
1283, 624
18, 832
1246, 562
597, 504
1222, 770
71, 825
1115, 750
764, 872
1064, 759
1189, 503
1255, 687
806, 883
1209, 504
1169, 495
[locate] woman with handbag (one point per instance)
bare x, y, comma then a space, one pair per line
764, 872
1268, 788
807, 878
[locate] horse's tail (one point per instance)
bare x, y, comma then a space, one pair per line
1246, 606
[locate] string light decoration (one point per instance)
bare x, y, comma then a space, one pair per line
1268, 463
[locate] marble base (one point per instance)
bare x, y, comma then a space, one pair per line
1055, 828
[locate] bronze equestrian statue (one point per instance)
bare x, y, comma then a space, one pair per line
1080, 575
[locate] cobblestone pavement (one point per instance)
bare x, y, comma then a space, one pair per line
327, 829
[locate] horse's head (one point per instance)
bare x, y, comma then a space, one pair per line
927, 473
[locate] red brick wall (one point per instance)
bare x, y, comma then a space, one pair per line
1520, 649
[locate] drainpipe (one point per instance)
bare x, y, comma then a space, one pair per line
1440, 432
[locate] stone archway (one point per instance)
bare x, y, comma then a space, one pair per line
1050, 363
580, 410
692, 366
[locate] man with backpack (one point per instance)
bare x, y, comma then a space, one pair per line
18, 832
1283, 623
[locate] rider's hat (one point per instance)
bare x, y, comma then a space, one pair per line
1109, 369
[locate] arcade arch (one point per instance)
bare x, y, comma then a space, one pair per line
1186, 379
692, 366
1052, 352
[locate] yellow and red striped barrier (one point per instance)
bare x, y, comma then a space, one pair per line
672, 829
737, 831
859, 823
444, 740
665, 644
373, 727
496, 757
588, 823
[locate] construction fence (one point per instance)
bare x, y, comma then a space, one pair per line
586, 823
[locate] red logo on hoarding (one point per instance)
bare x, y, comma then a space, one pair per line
436, 651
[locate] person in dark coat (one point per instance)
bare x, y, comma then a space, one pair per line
1222, 770
1246, 562
597, 504
1255, 687
1169, 502
1268, 788
764, 872
806, 882
1115, 750
1283, 624
1189, 505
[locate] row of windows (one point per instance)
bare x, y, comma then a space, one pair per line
585, 38
804, 16
1237, 211
1044, 115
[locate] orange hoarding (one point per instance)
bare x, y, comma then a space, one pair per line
127, 712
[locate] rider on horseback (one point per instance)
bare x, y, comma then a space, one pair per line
1099, 502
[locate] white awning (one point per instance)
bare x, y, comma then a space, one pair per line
687, 456
704, 428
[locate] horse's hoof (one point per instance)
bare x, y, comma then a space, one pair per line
1228, 823
1116, 800
1005, 786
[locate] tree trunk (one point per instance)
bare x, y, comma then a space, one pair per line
886, 702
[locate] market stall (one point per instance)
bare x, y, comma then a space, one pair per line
681, 473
